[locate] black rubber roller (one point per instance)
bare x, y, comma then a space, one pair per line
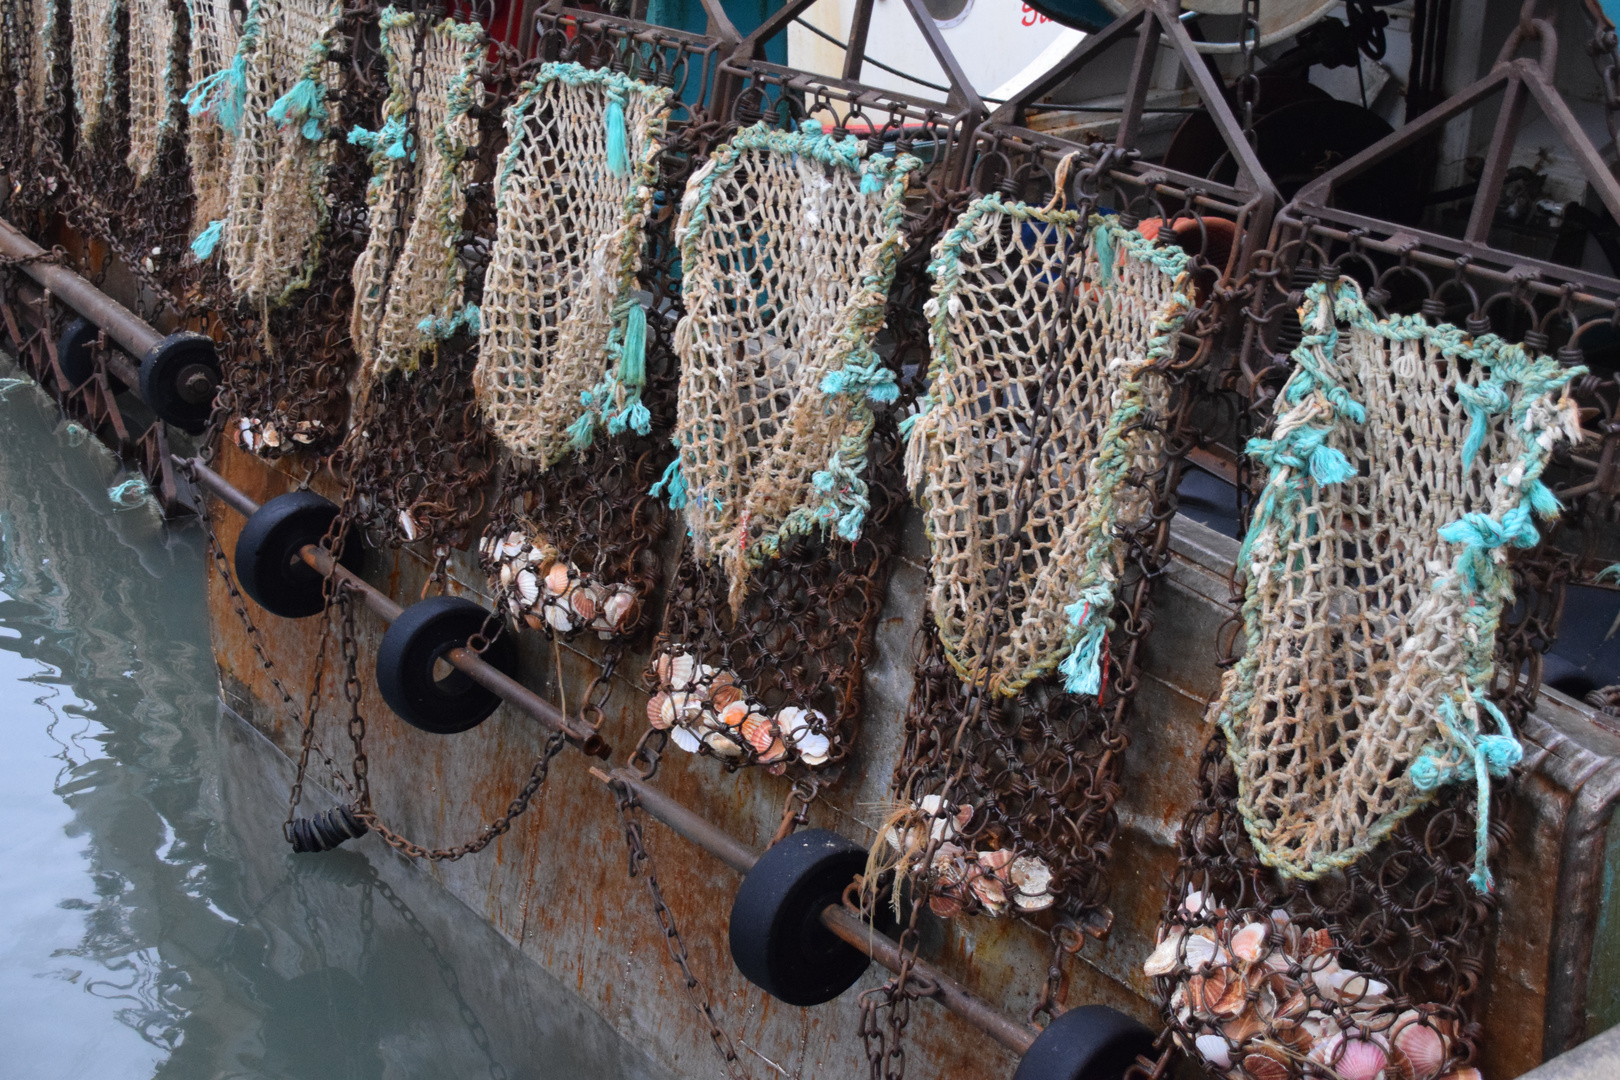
1092, 1042
75, 354
411, 649
267, 562
178, 379
777, 938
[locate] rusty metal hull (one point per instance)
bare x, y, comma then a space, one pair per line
555, 885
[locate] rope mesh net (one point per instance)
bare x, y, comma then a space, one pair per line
1405, 463
789, 243
95, 54
561, 317
276, 199
208, 146
154, 85
996, 326
410, 293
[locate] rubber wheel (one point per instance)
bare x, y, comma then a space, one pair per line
178, 379
415, 642
267, 562
74, 354
1092, 1042
777, 938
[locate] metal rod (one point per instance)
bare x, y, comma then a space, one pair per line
463, 659
118, 366
953, 995
122, 325
843, 922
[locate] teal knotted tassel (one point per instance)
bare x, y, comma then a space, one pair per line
618, 148
1330, 466
582, 431
222, 95
673, 485
871, 183
207, 240
1103, 241
640, 418
1542, 499
1083, 666
305, 103
633, 354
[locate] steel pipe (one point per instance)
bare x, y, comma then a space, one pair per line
463, 659
118, 365
133, 333
843, 922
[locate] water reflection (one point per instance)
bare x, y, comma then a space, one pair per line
154, 923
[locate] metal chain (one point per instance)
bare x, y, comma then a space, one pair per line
1248, 88
697, 993
364, 810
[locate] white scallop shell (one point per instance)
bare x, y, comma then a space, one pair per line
559, 619
1032, 876
528, 587
685, 739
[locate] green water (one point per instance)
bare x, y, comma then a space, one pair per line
152, 921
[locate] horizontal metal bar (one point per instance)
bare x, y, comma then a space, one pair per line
118, 366
463, 659
843, 922
948, 992
122, 325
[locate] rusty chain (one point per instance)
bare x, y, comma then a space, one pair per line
697, 994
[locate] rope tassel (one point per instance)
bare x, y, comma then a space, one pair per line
207, 240
304, 104
618, 148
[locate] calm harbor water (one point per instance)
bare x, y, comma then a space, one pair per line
152, 921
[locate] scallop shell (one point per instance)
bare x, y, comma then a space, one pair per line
1469, 1073
1213, 1049
1166, 956
619, 610
1032, 876
998, 863
528, 586
989, 892
557, 579
946, 907
1224, 994
1033, 903
1424, 1049
1351, 1058
506, 575
559, 619
759, 732
735, 714
1249, 943
791, 723
660, 711
407, 525
814, 749
272, 437
1260, 1067
534, 621
675, 670
1243, 1029
777, 751
685, 739
722, 744
586, 601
